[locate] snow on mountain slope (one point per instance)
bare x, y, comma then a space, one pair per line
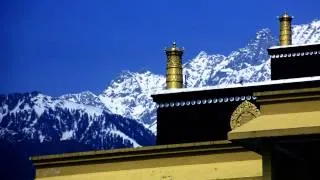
198, 70
85, 98
243, 64
306, 33
239, 66
40, 118
129, 95
43, 102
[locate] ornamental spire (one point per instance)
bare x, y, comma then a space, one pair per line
285, 29
174, 77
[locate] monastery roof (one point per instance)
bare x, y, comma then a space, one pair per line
295, 45
270, 82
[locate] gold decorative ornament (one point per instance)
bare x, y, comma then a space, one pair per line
174, 77
285, 29
245, 112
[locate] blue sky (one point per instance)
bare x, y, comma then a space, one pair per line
59, 47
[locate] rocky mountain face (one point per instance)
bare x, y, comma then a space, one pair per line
123, 115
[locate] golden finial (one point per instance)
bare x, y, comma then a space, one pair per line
285, 16
174, 77
285, 29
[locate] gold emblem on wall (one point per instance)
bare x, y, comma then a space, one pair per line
245, 112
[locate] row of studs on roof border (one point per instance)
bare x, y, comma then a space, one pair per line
295, 54
206, 101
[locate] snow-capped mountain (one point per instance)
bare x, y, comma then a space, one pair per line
85, 98
239, 66
198, 70
123, 114
243, 63
306, 33
129, 95
40, 118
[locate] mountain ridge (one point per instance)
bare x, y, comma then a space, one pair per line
127, 98
41, 118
